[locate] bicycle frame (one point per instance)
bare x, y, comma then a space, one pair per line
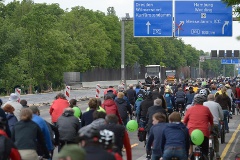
211, 147
197, 153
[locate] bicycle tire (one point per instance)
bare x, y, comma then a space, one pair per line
204, 157
211, 154
223, 134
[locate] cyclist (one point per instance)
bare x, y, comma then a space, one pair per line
230, 95
136, 107
89, 140
107, 140
213, 89
157, 107
199, 117
9, 149
205, 92
225, 102
148, 102
217, 113
175, 141
189, 96
155, 136
180, 98
169, 100
111, 124
131, 94
195, 87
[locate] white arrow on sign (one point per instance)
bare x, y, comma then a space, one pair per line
148, 26
225, 23
179, 26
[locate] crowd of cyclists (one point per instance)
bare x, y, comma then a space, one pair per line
166, 114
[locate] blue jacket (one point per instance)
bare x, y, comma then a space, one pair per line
137, 90
189, 97
12, 120
155, 138
175, 135
44, 128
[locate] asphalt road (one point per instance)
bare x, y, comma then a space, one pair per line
227, 150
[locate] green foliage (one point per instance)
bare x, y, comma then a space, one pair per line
39, 42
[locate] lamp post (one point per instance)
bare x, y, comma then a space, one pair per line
189, 72
126, 18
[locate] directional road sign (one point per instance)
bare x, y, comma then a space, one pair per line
202, 18
153, 18
230, 61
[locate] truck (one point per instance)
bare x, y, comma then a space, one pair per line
170, 76
152, 75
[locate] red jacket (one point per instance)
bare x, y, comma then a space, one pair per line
238, 92
57, 108
14, 154
199, 117
108, 89
111, 108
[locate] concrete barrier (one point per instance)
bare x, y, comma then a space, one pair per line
106, 84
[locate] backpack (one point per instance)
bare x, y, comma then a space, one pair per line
5, 149
142, 133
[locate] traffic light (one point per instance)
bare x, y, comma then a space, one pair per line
214, 54
229, 54
221, 53
236, 53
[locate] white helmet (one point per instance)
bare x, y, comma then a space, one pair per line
203, 92
106, 138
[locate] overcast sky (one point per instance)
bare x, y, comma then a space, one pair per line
126, 6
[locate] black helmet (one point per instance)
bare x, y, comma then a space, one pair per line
140, 95
89, 133
148, 94
199, 99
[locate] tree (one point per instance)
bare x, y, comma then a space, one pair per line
236, 6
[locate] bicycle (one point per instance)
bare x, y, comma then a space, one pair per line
222, 131
237, 157
211, 146
180, 108
198, 155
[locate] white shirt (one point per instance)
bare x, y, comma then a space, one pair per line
17, 106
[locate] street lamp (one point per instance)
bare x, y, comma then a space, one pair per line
126, 18
189, 72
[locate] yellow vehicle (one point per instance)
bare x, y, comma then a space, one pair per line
170, 76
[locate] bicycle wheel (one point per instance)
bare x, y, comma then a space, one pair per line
222, 133
211, 154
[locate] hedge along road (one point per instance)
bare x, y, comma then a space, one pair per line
227, 150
